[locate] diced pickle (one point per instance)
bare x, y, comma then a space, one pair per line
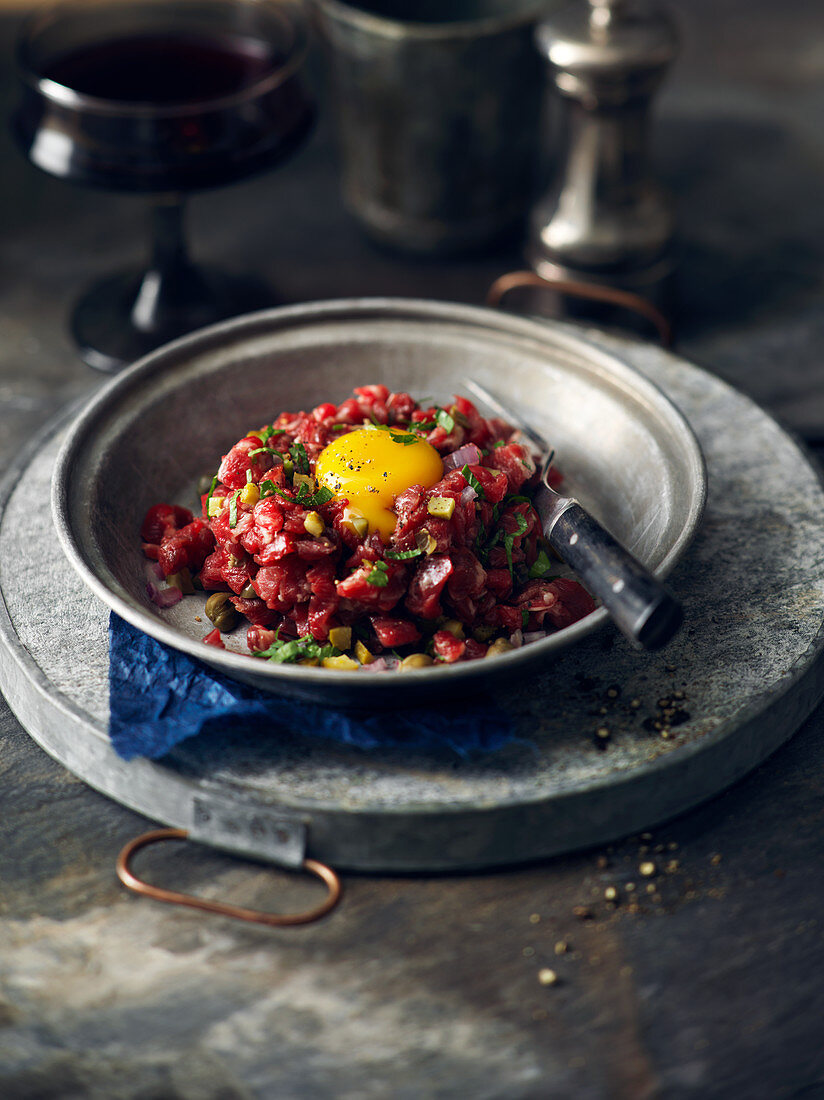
214, 507
500, 645
249, 494
183, 581
363, 654
342, 662
454, 627
442, 507
314, 523
341, 637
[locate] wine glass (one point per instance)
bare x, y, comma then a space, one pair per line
163, 97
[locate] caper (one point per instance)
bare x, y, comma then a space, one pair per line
248, 592
221, 611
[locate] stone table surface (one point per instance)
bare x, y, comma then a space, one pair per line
711, 984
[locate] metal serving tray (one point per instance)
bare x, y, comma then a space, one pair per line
747, 667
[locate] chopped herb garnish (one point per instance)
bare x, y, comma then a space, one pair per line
473, 481
284, 652
378, 575
402, 555
300, 458
398, 436
498, 443
264, 451
249, 477
313, 500
267, 488
233, 508
445, 421
212, 488
268, 432
509, 538
524, 618
541, 566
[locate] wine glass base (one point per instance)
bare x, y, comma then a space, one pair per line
106, 322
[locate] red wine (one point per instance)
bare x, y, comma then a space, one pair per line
163, 69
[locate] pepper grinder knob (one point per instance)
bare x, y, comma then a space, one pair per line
604, 219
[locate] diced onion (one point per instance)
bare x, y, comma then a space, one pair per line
534, 636
468, 495
164, 597
381, 664
468, 455
516, 639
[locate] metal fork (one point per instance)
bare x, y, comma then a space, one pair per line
639, 604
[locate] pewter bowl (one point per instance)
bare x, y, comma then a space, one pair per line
151, 434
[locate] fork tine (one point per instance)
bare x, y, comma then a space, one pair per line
497, 406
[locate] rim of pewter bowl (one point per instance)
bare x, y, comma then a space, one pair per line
339, 687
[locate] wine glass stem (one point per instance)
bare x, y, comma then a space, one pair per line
172, 281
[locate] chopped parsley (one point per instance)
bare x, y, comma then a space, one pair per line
300, 459
265, 451
313, 500
397, 434
233, 508
212, 488
378, 575
445, 420
268, 432
303, 496
284, 652
541, 566
510, 536
402, 555
473, 481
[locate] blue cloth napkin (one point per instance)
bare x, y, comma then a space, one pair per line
158, 697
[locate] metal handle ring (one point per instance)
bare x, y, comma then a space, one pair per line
608, 294
255, 916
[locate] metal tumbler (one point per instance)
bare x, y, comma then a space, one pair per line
437, 105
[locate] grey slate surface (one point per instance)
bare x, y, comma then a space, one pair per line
429, 986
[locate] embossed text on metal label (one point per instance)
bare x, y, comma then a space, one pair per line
248, 830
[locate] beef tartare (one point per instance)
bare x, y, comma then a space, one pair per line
374, 533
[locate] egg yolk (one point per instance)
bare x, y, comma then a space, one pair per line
369, 467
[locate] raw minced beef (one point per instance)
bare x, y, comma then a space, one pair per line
445, 586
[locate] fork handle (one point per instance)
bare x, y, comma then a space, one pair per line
639, 604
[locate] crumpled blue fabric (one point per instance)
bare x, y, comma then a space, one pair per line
159, 697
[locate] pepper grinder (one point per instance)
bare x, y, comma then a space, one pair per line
604, 220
